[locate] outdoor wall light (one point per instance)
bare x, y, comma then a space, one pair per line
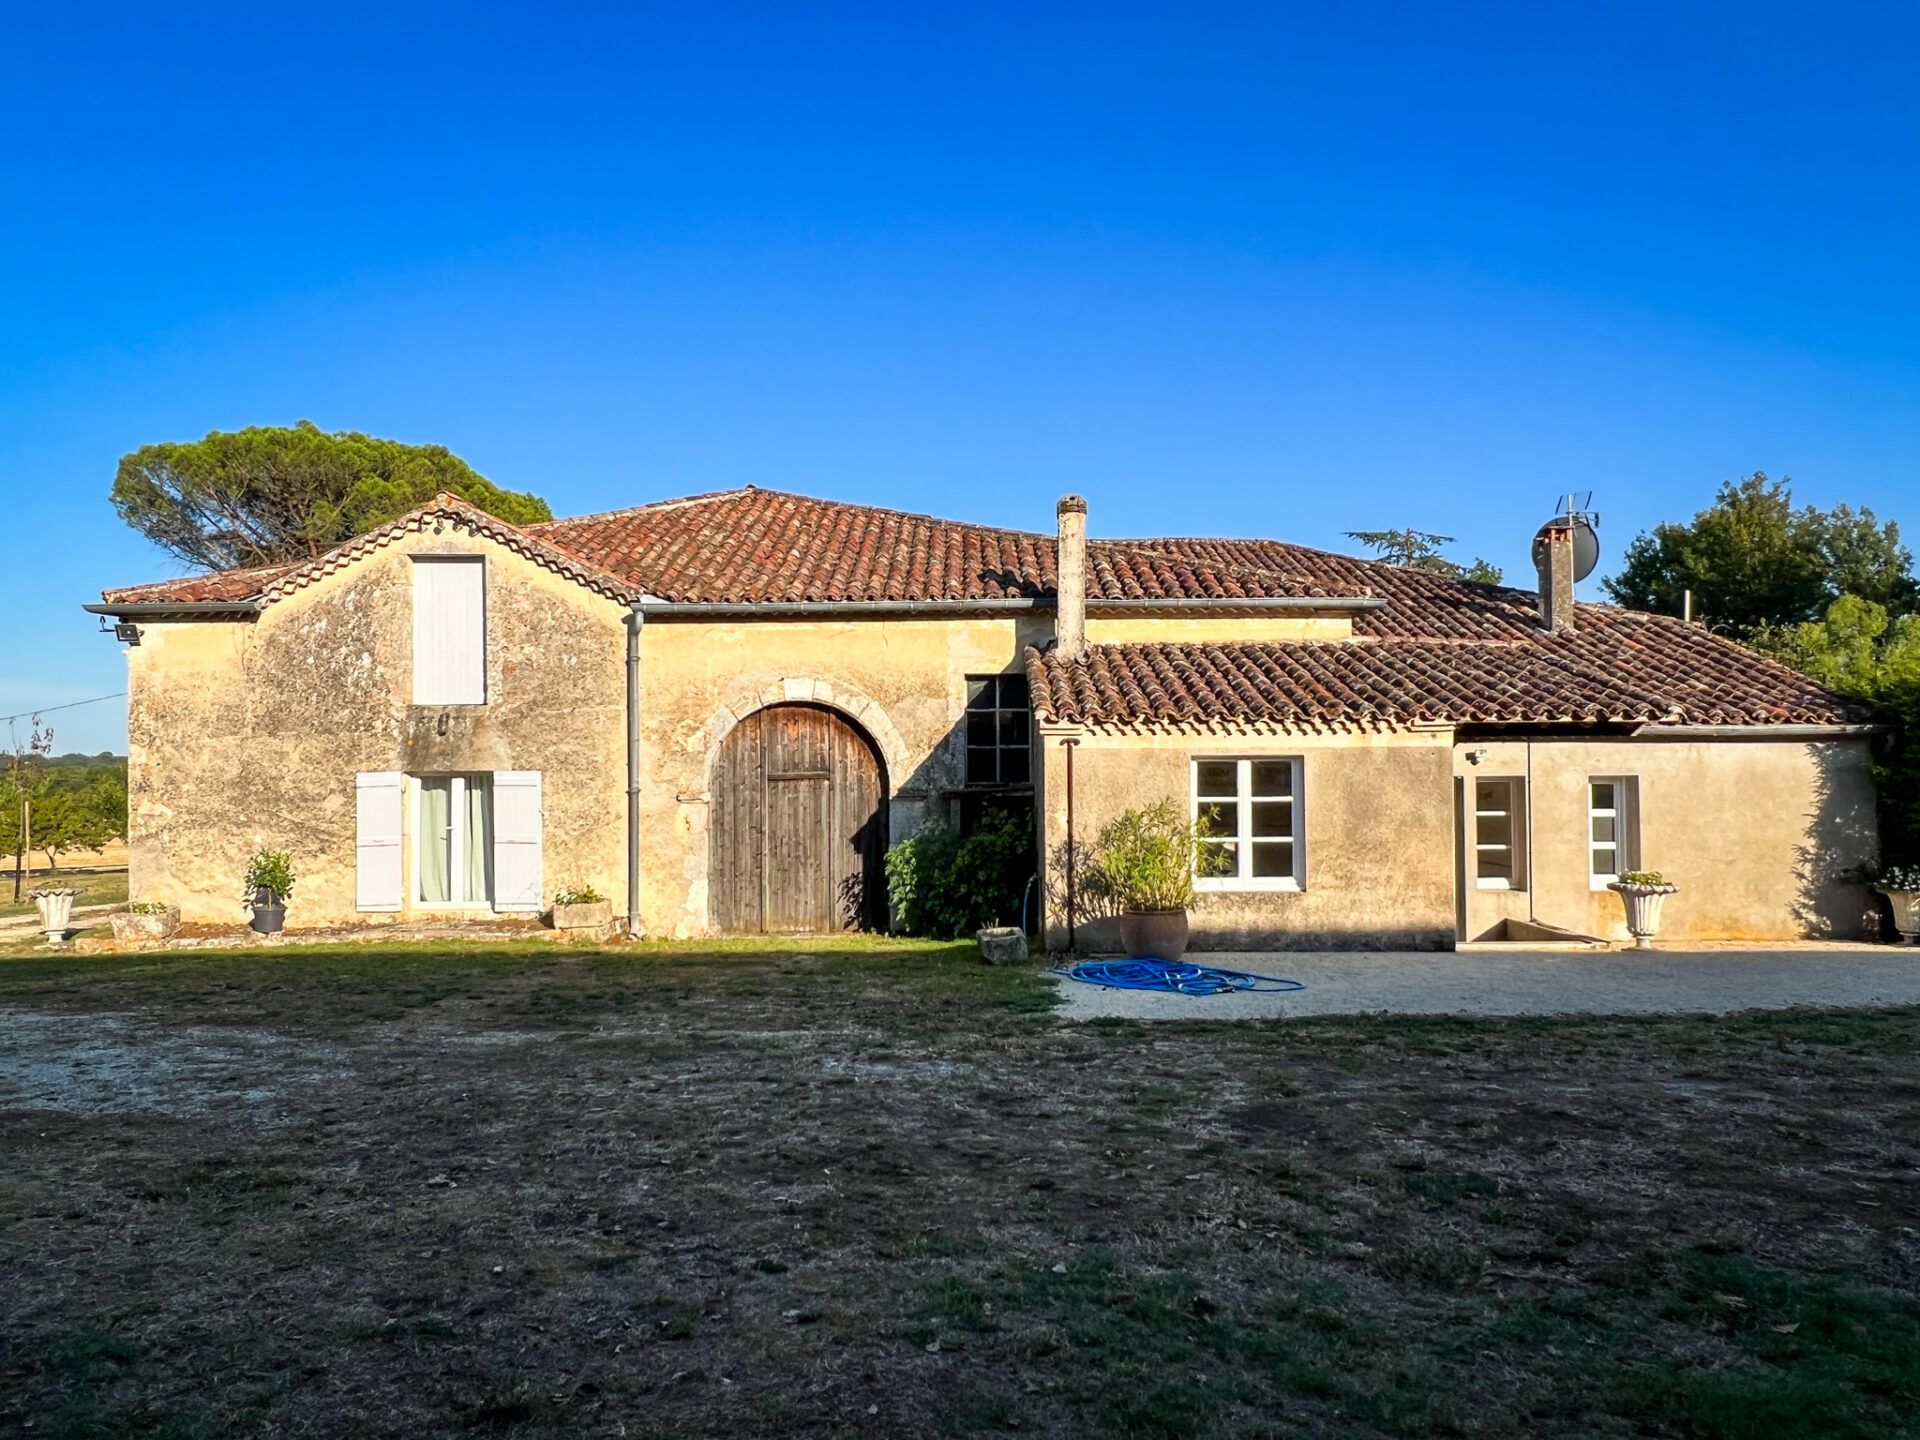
1474, 757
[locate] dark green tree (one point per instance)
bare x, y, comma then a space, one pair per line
1751, 560
1420, 550
276, 493
1857, 649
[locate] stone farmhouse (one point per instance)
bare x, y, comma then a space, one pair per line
719, 711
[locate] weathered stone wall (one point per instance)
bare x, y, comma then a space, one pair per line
1755, 833
243, 735
250, 734
902, 681
1378, 834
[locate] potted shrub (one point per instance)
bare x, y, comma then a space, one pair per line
582, 908
268, 886
56, 912
1643, 892
1901, 885
1145, 863
145, 920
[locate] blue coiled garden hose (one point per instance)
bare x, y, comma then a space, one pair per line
1173, 977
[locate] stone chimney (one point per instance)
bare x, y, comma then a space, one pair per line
1070, 612
1554, 562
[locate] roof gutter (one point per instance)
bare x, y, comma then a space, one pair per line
884, 609
1760, 731
169, 609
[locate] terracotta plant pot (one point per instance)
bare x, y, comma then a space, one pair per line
1153, 934
145, 925
1643, 904
1906, 913
595, 917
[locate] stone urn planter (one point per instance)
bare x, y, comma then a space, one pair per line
56, 912
1002, 945
1643, 899
1906, 913
157, 924
584, 917
1155, 934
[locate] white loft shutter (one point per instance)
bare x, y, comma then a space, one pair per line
449, 630
378, 799
517, 881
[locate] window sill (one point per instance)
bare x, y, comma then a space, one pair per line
1249, 886
1499, 885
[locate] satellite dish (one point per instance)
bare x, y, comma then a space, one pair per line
1586, 543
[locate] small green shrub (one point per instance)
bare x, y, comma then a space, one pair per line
579, 895
944, 885
1643, 877
270, 870
1145, 858
147, 907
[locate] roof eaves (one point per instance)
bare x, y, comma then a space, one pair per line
450, 509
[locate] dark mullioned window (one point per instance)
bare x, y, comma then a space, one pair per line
999, 730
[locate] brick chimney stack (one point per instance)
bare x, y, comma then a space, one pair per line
1555, 567
1070, 612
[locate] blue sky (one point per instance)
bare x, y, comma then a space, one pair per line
1265, 269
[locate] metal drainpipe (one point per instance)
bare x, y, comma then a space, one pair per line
636, 617
1533, 888
1070, 745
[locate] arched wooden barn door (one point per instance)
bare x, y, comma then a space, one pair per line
799, 825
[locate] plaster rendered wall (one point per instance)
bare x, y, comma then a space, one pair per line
1379, 830
902, 681
243, 735
1754, 832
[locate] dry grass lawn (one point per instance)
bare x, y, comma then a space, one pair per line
875, 1189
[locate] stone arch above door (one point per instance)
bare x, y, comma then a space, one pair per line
860, 708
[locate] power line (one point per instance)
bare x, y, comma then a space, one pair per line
70, 705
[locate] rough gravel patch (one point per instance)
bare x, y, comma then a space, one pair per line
1661, 982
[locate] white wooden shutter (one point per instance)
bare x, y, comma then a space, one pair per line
378, 802
517, 883
449, 630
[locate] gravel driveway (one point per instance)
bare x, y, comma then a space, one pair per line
1618, 982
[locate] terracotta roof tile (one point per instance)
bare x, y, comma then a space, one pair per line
1438, 649
220, 585
752, 546
1633, 669
766, 546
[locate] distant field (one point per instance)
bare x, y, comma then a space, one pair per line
111, 857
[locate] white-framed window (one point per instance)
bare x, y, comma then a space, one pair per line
453, 840
1247, 816
1499, 833
449, 630
1613, 828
